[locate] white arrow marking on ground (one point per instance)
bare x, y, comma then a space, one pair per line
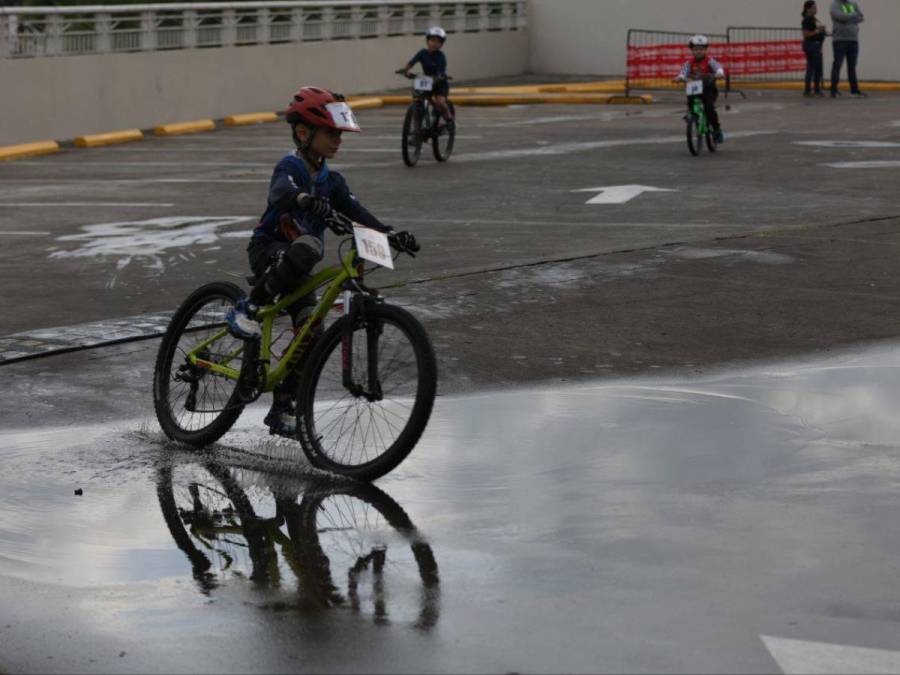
800, 656
619, 194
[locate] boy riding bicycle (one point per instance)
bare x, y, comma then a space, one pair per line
289, 240
704, 67
434, 64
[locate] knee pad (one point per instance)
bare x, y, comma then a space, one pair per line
295, 264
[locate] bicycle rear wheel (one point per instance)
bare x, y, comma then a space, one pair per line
694, 137
193, 404
412, 135
366, 429
442, 143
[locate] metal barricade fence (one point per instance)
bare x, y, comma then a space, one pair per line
760, 54
656, 57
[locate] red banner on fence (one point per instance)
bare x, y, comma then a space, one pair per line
756, 58
738, 58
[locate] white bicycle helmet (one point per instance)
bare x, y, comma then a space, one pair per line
438, 32
698, 41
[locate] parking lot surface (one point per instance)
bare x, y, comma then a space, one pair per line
665, 438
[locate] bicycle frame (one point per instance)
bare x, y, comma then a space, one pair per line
335, 277
699, 112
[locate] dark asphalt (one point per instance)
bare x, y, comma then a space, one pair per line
729, 507
764, 250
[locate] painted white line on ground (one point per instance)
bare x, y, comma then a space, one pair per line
886, 164
261, 149
92, 204
49, 184
396, 137
800, 656
849, 144
567, 148
545, 223
148, 164
619, 194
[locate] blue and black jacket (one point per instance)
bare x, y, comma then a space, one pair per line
289, 179
434, 64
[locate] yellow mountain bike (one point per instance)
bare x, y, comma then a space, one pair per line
367, 384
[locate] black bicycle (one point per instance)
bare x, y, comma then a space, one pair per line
346, 544
424, 122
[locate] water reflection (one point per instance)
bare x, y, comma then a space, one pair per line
330, 544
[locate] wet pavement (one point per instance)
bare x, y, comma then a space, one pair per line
659, 524
665, 439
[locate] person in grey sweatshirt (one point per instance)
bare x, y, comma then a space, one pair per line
846, 17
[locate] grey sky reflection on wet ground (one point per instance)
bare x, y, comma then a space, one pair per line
651, 524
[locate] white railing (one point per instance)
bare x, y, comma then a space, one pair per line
67, 31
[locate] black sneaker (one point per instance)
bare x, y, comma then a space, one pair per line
835, 93
282, 420
859, 94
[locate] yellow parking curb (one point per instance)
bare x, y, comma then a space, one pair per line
110, 138
402, 99
795, 86
184, 128
603, 87
250, 118
366, 103
28, 150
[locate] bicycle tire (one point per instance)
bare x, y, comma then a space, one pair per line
411, 143
447, 132
221, 406
387, 429
309, 520
711, 142
694, 137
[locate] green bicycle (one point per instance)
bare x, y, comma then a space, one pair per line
367, 383
698, 128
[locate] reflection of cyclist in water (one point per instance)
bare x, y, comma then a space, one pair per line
328, 535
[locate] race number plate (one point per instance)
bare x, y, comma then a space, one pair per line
373, 246
342, 115
423, 83
694, 88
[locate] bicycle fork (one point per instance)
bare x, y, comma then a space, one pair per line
354, 314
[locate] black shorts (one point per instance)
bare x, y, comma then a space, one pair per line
440, 88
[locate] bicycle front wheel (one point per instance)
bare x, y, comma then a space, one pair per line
195, 405
442, 143
412, 136
694, 137
711, 141
363, 422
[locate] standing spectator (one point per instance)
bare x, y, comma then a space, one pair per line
813, 37
846, 17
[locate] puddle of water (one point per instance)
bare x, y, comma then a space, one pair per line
736, 496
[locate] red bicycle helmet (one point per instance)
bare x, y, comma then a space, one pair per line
316, 107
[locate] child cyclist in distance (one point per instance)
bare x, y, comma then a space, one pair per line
434, 64
704, 67
289, 240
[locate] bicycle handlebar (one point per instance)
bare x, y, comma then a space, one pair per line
341, 225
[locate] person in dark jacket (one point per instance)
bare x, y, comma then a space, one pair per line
290, 238
434, 65
814, 34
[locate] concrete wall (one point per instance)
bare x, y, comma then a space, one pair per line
58, 98
588, 36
